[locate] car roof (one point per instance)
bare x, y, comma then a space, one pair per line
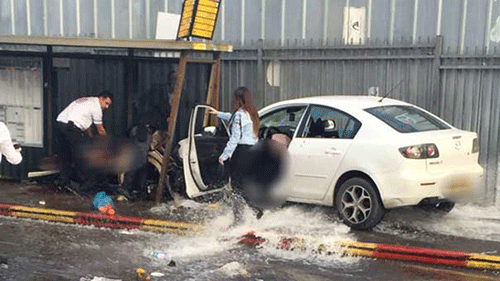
346, 101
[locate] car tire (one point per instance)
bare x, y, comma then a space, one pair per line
358, 204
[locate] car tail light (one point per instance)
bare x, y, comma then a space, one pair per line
475, 146
422, 151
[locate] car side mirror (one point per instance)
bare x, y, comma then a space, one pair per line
209, 131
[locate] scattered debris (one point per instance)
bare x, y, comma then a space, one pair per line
142, 275
103, 203
159, 255
157, 274
41, 202
121, 198
96, 278
234, 269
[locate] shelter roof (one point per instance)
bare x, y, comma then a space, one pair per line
163, 45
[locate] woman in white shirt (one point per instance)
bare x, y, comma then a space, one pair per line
244, 127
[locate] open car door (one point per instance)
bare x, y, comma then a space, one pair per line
207, 138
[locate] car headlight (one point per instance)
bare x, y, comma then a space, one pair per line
421, 151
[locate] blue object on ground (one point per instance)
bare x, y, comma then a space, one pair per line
101, 200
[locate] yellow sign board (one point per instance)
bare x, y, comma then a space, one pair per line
198, 19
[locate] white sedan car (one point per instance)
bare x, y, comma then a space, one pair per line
360, 154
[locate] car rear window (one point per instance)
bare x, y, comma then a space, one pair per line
407, 119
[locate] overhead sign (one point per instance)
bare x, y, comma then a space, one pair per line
198, 19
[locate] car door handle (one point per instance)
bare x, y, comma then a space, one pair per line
332, 151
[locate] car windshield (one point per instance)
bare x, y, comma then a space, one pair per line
407, 119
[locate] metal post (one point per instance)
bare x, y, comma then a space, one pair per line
28, 16
260, 73
463, 26
95, 19
61, 18
129, 84
436, 76
48, 69
181, 70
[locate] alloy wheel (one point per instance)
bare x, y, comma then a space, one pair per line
356, 204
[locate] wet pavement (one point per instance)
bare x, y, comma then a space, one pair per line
38, 250
49, 196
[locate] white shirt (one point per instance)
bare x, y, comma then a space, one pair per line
7, 147
83, 112
241, 131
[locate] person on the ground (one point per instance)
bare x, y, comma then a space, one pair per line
11, 151
244, 126
74, 127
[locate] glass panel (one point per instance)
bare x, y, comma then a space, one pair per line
326, 122
285, 119
407, 119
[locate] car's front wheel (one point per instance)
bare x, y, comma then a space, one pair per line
359, 204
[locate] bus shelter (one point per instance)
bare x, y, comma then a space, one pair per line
39, 76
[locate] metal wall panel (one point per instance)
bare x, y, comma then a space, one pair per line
87, 77
465, 24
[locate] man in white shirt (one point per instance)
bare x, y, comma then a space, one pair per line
7, 148
74, 126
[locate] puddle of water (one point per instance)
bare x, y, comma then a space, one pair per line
468, 221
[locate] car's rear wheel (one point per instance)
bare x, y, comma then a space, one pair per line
359, 204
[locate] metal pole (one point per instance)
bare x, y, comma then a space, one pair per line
347, 27
45, 21
369, 20
462, 29
223, 21
415, 21
181, 71
61, 18
283, 22
260, 72
96, 30
129, 84
12, 18
488, 27
113, 11
78, 28
436, 75
263, 20
304, 16
242, 22
48, 89
393, 17
440, 15
148, 19
325, 23
130, 15
28, 16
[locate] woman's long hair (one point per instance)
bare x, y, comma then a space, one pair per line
242, 98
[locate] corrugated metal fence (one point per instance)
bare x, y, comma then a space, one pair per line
462, 89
